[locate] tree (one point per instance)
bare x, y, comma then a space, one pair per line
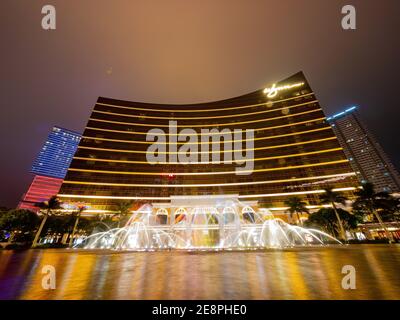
296, 206
78, 213
64, 224
21, 222
370, 202
100, 223
57, 224
124, 209
326, 219
333, 198
4, 210
86, 225
48, 207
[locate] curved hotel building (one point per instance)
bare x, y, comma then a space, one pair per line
294, 151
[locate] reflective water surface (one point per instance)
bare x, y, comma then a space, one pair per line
301, 273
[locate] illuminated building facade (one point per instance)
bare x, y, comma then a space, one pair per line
295, 150
41, 189
50, 167
56, 154
366, 155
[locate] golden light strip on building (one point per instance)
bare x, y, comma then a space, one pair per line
219, 133
211, 151
200, 142
295, 193
196, 173
205, 173
208, 117
203, 110
91, 211
178, 142
210, 173
206, 125
110, 197
88, 211
197, 163
308, 207
240, 196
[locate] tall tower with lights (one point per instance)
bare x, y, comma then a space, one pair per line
50, 167
364, 152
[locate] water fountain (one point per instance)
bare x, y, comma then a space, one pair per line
204, 223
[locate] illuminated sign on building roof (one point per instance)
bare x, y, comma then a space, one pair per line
273, 91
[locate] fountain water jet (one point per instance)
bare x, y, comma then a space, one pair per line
204, 223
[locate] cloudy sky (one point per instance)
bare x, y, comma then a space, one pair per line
177, 51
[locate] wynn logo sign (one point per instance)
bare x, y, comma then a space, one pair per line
273, 91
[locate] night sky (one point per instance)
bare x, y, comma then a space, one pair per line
186, 52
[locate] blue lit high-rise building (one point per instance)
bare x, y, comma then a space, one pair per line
50, 167
57, 153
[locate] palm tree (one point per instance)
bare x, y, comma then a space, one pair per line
325, 218
124, 209
78, 213
296, 206
332, 198
48, 207
370, 202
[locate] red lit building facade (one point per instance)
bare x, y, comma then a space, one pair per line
41, 189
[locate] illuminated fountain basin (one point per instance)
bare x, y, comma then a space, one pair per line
204, 223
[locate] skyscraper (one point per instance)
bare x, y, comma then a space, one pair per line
366, 155
295, 151
50, 166
56, 154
